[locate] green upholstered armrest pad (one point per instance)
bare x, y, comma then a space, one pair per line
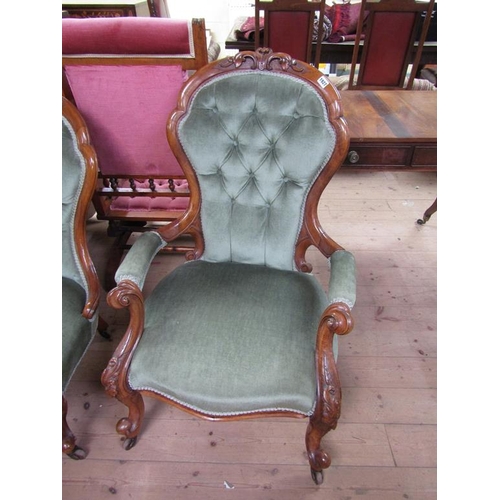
342, 287
135, 265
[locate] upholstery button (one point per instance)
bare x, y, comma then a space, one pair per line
296, 115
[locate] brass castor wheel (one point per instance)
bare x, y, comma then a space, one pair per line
77, 453
317, 476
129, 443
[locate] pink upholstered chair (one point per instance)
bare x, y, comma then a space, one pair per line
124, 75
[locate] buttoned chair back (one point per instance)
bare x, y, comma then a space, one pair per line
273, 142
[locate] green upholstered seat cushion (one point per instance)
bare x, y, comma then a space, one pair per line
77, 331
231, 338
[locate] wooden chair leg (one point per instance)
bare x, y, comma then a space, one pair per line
69, 446
428, 213
115, 257
114, 376
102, 328
131, 425
335, 320
323, 420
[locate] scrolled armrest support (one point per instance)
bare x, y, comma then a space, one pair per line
338, 319
114, 377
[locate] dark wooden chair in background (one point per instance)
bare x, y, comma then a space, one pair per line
289, 26
243, 329
390, 43
124, 75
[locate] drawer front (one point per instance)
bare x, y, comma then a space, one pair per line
424, 156
379, 156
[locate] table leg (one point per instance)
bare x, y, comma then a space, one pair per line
427, 214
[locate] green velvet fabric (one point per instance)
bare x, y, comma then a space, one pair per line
72, 180
342, 286
231, 338
77, 331
257, 141
136, 263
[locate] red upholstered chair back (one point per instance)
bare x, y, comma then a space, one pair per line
124, 75
390, 44
289, 27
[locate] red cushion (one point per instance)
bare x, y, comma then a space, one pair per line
344, 18
126, 35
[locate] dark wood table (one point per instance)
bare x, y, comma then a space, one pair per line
391, 129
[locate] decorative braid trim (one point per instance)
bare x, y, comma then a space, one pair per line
222, 414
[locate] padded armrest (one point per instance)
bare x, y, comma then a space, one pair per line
342, 287
135, 265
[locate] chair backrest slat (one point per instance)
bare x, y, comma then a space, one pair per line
390, 43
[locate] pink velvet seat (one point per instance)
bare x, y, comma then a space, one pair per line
124, 75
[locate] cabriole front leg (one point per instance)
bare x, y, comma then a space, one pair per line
336, 320
114, 377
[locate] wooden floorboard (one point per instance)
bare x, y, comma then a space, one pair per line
384, 447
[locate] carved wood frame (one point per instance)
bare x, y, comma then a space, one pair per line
76, 122
84, 145
336, 318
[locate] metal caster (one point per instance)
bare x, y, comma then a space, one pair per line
104, 334
77, 453
129, 443
317, 476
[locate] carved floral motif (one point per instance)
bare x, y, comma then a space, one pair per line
262, 59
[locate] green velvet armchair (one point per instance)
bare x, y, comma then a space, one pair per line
80, 285
243, 329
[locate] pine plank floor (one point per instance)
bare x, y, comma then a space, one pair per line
385, 445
